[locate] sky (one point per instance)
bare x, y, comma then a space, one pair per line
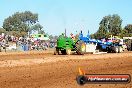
73, 15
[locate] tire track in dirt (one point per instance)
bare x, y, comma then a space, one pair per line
60, 71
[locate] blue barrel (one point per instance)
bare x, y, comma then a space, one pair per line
26, 47
20, 48
23, 47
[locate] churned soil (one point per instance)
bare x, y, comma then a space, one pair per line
42, 69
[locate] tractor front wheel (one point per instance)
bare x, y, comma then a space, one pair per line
56, 51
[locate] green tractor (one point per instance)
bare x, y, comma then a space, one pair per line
66, 45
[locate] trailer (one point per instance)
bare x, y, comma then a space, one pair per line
110, 46
95, 45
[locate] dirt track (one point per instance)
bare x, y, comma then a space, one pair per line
44, 70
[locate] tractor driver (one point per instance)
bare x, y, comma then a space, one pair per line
72, 37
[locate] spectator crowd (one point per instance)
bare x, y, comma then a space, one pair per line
23, 43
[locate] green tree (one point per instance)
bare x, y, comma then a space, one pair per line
37, 27
127, 31
128, 28
115, 25
124, 33
20, 21
109, 25
2, 31
102, 32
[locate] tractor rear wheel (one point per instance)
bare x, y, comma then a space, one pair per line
63, 52
80, 47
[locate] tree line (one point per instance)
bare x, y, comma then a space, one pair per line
112, 25
22, 23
